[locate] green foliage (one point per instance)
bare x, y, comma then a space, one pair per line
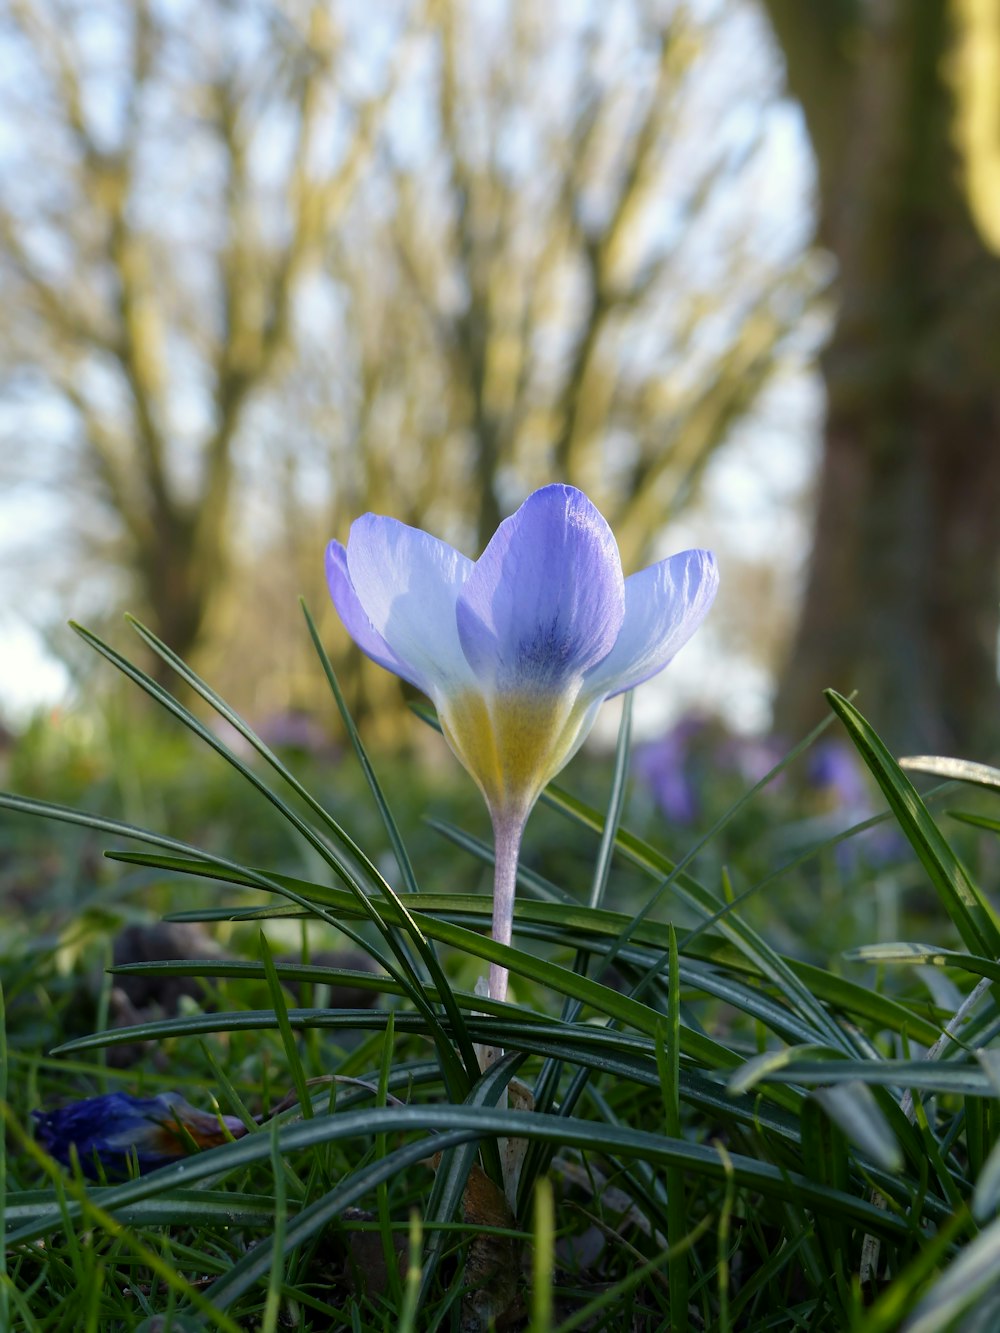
716, 1132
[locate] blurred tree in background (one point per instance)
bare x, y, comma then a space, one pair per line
902, 103
267, 267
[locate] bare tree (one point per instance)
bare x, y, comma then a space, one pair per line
152, 265
281, 265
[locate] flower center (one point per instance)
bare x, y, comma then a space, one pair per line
512, 743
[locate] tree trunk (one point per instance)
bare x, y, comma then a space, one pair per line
903, 594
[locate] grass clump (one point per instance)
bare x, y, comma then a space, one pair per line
688, 1127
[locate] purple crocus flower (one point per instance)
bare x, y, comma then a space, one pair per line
518, 649
110, 1130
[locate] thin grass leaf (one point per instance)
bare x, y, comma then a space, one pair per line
92, 1213
770, 1063
320, 845
926, 954
612, 1298
451, 1125
361, 754
547, 1083
668, 1049
414, 1271
452, 1174
562, 980
284, 1027
963, 1282
953, 770
725, 1223
853, 1108
229, 715
674, 879
987, 1192
207, 693
427, 952
229, 871
184, 715
860, 1002
543, 1258
272, 1303
718, 914
205, 1208
971, 913
931, 1076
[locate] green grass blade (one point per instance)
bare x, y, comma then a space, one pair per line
427, 952
853, 1108
668, 1052
391, 827
556, 923
451, 1125
971, 913
285, 1028
543, 1258
231, 872
453, 1171
953, 770
233, 718
916, 955
965, 1280
272, 1304
717, 913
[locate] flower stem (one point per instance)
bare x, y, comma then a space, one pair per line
507, 831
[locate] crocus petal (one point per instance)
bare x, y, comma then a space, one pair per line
406, 583
664, 605
111, 1131
355, 619
546, 600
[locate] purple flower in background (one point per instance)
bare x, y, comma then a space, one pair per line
834, 772
837, 776
108, 1131
664, 766
518, 649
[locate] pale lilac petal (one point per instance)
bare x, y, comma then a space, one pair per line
546, 599
407, 582
356, 622
664, 605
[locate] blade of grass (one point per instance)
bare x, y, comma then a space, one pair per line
451, 1125
543, 1258
668, 1059
96, 1215
285, 1028
547, 1083
424, 947
427, 951
968, 1277
230, 871
414, 1269
971, 913
276, 1272
862, 1002
453, 1170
